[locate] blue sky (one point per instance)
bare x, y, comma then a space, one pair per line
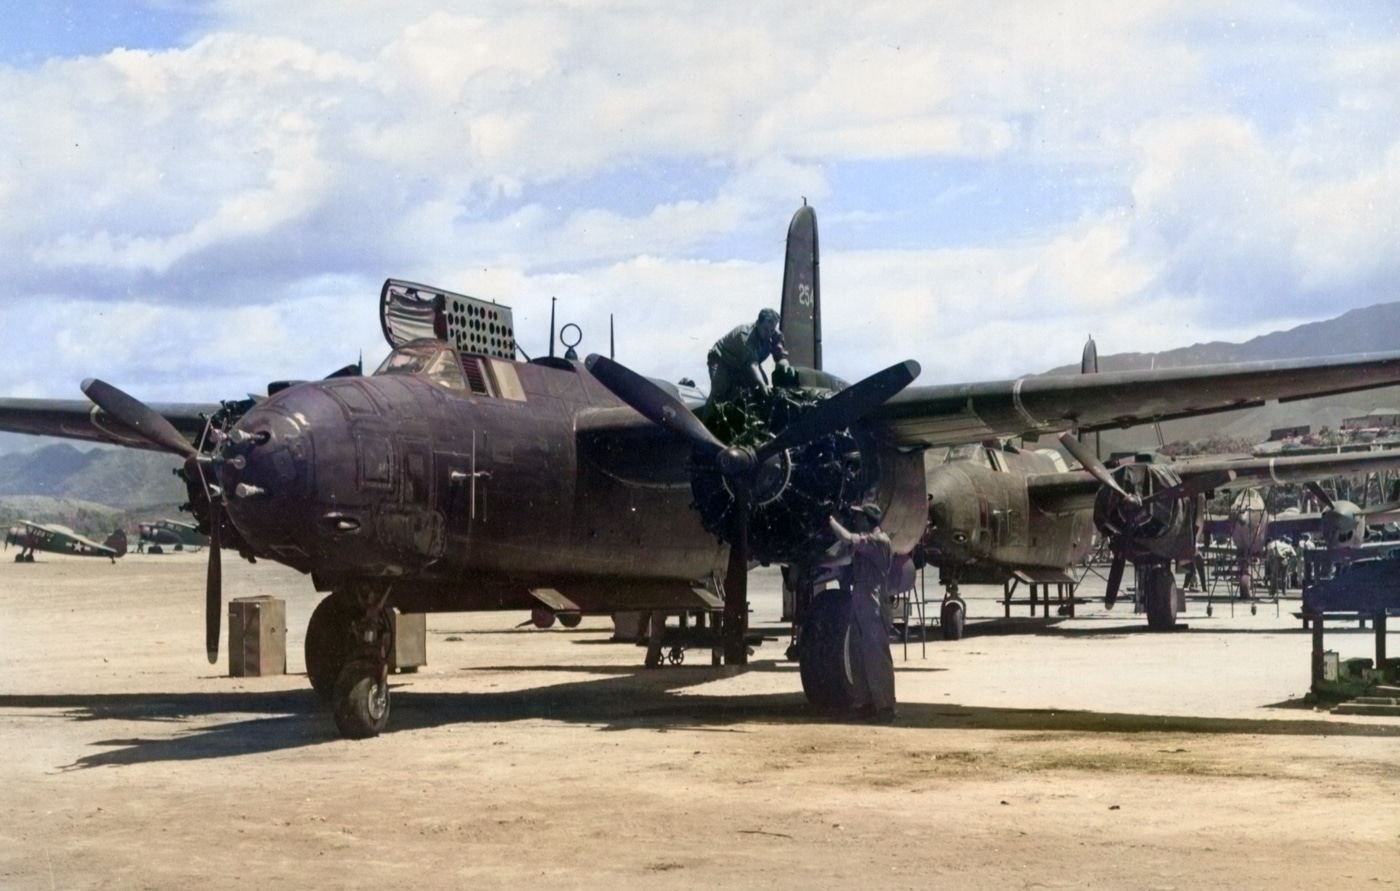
202, 197
39, 30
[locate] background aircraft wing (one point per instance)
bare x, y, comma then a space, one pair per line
959, 413
1075, 490
80, 419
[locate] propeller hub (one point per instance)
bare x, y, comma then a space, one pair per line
736, 462
759, 482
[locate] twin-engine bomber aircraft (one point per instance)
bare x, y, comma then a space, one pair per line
457, 478
994, 511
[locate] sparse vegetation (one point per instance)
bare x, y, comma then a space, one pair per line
1213, 445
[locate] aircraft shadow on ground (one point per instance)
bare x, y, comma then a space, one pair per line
634, 700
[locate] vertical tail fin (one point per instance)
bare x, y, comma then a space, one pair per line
117, 542
802, 307
1089, 364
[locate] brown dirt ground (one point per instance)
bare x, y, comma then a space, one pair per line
1056, 754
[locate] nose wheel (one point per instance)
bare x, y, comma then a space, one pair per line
348, 642
361, 699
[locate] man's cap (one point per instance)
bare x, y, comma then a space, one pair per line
872, 511
769, 315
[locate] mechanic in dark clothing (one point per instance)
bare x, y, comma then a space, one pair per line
736, 359
869, 552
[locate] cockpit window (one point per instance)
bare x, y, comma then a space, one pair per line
431, 359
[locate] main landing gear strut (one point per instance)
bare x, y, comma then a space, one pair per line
1159, 595
348, 643
952, 613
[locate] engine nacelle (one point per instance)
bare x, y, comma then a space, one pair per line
1147, 529
797, 490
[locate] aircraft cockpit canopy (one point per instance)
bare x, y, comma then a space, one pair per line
432, 359
440, 363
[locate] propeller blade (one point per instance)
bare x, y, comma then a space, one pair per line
1320, 495
213, 586
146, 421
651, 402
842, 409
1090, 462
1115, 579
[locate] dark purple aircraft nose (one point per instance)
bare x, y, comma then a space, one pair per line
269, 478
310, 480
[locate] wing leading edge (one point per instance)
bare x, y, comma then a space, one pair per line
80, 419
959, 413
1075, 490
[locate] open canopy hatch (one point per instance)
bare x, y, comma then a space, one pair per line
410, 311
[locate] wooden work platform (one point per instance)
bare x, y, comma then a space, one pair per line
1038, 584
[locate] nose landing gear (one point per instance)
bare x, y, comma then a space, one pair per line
348, 642
361, 699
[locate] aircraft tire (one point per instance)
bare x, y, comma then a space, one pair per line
1161, 604
541, 617
824, 656
360, 700
328, 643
952, 618
569, 620
155, 549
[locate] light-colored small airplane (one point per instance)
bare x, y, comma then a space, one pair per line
177, 535
53, 538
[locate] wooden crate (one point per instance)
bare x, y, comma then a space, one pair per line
257, 637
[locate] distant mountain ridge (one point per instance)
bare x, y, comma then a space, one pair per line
118, 478
1370, 329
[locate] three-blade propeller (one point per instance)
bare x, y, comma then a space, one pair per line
155, 429
740, 464
1131, 506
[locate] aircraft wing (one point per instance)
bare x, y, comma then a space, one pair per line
1291, 525
80, 419
1075, 490
84, 545
959, 413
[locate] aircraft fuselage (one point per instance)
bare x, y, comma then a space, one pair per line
983, 522
466, 500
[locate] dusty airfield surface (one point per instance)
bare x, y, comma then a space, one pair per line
1072, 754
